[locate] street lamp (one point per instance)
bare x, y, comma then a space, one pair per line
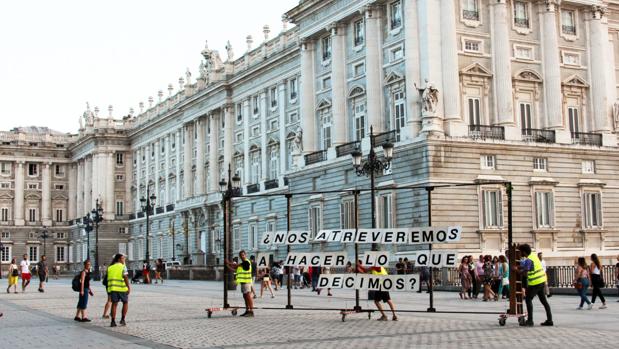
1, 253
173, 233
97, 217
148, 207
44, 235
372, 166
87, 224
229, 189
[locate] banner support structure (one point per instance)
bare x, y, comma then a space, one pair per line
357, 307
431, 309
289, 296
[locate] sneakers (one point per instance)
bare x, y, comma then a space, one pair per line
77, 319
248, 314
383, 318
579, 308
395, 318
590, 306
113, 324
527, 324
603, 306
547, 323
85, 320
123, 323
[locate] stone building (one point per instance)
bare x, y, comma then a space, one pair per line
469, 91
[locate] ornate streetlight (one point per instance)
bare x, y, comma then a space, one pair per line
229, 189
97, 217
148, 207
370, 167
87, 225
44, 235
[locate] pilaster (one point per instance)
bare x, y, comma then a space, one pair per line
411, 63
200, 143
187, 162
308, 97
598, 48
263, 137
338, 82
213, 162
551, 65
246, 115
374, 68
502, 64
72, 191
109, 212
228, 115
19, 193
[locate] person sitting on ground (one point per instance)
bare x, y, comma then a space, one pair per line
378, 296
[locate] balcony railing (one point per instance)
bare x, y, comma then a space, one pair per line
585, 138
271, 184
484, 132
140, 214
347, 148
568, 29
131, 216
315, 157
521, 22
159, 210
253, 188
472, 15
381, 138
539, 136
169, 207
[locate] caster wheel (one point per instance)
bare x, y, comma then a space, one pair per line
521, 321
234, 312
209, 314
502, 322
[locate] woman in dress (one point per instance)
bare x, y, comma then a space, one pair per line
488, 272
13, 276
465, 277
597, 281
581, 282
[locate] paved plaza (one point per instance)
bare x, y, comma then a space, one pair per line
173, 316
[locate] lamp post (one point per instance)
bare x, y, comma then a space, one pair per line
229, 189
173, 233
1, 253
148, 206
87, 228
97, 217
370, 167
44, 235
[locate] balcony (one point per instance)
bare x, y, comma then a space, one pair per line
347, 148
169, 207
538, 136
382, 138
315, 157
484, 132
472, 15
131, 216
253, 188
568, 29
159, 210
521, 22
140, 214
271, 184
584, 138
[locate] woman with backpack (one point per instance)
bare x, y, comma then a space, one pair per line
13, 276
597, 281
84, 291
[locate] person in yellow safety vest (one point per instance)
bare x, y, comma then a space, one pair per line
243, 279
536, 281
378, 296
118, 287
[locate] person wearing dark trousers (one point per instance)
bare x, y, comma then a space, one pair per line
597, 281
536, 280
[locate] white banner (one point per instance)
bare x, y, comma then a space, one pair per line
376, 259
396, 283
317, 259
263, 260
436, 258
286, 238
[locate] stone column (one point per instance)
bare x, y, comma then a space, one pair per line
374, 68
430, 67
177, 137
451, 73
128, 199
246, 116
94, 175
200, 142
72, 191
551, 65
138, 180
187, 162
263, 137
148, 149
80, 189
598, 46
281, 88
308, 97
109, 212
411, 63
612, 79
167, 199
338, 83
213, 162
87, 184
19, 193
46, 195
157, 172
228, 116
502, 64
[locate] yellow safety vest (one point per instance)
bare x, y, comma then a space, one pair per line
536, 275
382, 271
243, 276
115, 279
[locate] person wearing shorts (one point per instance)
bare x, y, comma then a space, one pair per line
118, 287
243, 279
24, 267
379, 296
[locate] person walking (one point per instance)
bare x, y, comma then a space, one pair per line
479, 276
146, 272
465, 277
25, 273
118, 286
243, 279
85, 291
265, 282
535, 284
326, 271
597, 280
42, 271
617, 276
488, 273
504, 275
13, 276
378, 296
399, 267
254, 270
296, 276
159, 270
582, 282
546, 289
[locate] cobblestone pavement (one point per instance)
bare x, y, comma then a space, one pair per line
173, 315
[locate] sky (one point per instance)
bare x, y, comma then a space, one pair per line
57, 55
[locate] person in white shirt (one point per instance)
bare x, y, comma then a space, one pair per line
24, 267
546, 288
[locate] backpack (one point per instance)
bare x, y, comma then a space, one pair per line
76, 284
104, 280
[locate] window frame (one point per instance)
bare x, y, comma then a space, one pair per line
395, 15
358, 29
326, 49
540, 164
493, 208
316, 210
544, 208
587, 222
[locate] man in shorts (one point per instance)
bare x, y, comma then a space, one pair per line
378, 296
24, 267
43, 272
118, 287
243, 279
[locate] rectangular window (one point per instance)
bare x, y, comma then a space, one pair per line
5, 235
32, 215
570, 58
544, 207
525, 116
238, 137
399, 111
470, 10
255, 131
326, 83
119, 159
33, 186
33, 170
60, 253
239, 113
315, 220
326, 122
358, 69
488, 162
588, 166
347, 214
58, 186
492, 208
568, 22
59, 215
274, 164
120, 208
5, 168
359, 31
5, 185
252, 236
523, 52
255, 104
474, 111
236, 238
5, 254
540, 164
385, 211
593, 209
326, 48
359, 116
33, 253
60, 235
255, 168
472, 46
119, 177
293, 117
396, 53
59, 170
395, 19
293, 89
4, 214
521, 14
573, 120
273, 96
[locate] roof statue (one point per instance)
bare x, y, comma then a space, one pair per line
229, 51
